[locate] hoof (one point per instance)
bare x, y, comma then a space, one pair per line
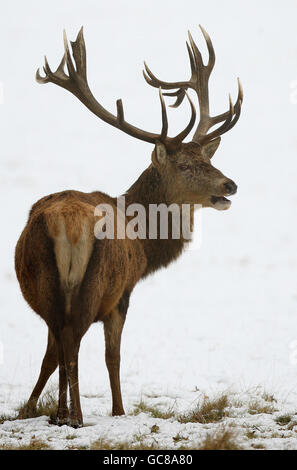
75, 423
61, 419
58, 421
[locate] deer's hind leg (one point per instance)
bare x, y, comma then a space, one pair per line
68, 348
71, 343
113, 327
63, 412
48, 367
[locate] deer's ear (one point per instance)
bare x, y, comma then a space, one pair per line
159, 155
209, 150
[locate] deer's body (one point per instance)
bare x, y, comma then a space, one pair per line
72, 279
69, 277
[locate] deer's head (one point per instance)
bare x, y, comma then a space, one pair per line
185, 168
191, 178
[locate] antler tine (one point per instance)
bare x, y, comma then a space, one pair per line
196, 53
79, 54
192, 60
50, 76
222, 129
211, 52
180, 94
164, 130
237, 106
152, 80
69, 63
58, 77
180, 137
76, 82
39, 78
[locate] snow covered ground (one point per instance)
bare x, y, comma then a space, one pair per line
222, 318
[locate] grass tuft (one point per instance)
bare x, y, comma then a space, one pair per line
269, 397
256, 407
70, 437
5, 417
155, 428
222, 439
283, 420
103, 444
35, 444
179, 437
209, 411
47, 406
155, 412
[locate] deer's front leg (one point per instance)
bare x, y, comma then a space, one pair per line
113, 327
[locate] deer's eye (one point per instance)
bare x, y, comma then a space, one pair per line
184, 167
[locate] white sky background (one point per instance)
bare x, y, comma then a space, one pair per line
246, 270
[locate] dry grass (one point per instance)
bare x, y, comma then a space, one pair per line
209, 411
222, 439
256, 407
155, 412
4, 418
155, 428
269, 397
103, 444
47, 406
70, 437
283, 420
179, 437
35, 444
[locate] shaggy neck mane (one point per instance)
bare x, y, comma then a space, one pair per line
150, 189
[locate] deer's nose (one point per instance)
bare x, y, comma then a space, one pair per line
230, 187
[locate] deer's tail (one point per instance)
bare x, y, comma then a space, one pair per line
71, 228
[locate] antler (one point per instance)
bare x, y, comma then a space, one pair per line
199, 83
76, 82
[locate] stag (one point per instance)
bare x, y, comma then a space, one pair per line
73, 279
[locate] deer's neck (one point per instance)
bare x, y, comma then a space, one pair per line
151, 189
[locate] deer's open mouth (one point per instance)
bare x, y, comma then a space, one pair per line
220, 203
